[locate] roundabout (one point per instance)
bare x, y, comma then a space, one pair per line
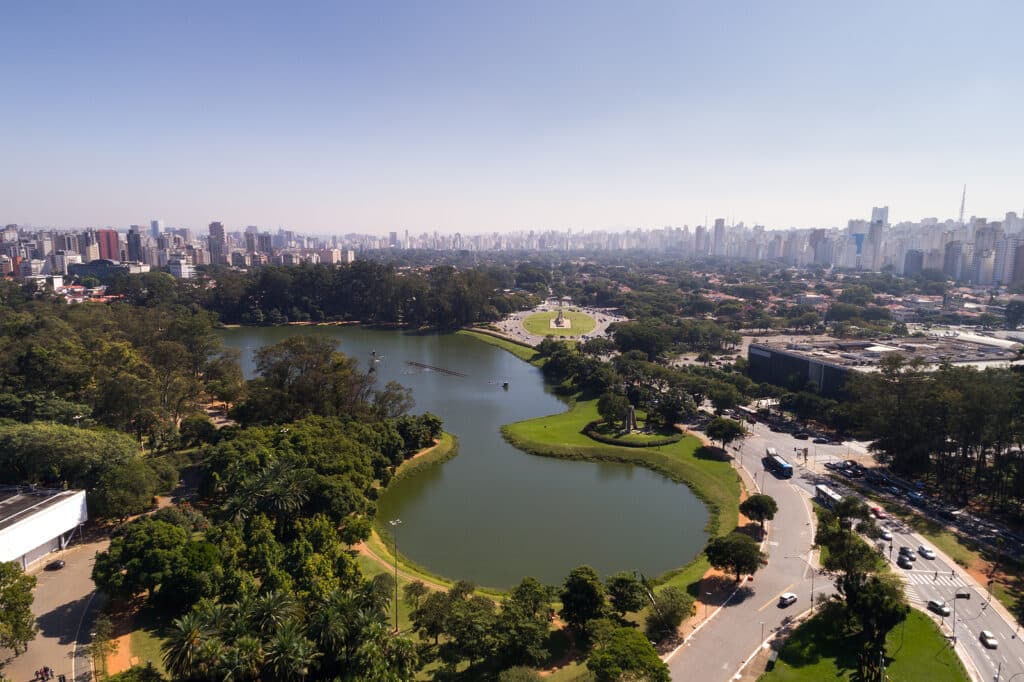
547, 323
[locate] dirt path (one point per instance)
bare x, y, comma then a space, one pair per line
122, 659
365, 550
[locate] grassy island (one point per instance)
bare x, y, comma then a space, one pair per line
540, 324
714, 482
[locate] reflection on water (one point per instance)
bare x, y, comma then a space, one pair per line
494, 514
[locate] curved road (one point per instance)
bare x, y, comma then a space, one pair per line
720, 648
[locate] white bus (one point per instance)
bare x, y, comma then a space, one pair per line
826, 497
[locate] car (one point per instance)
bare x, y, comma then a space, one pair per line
55, 565
938, 606
822, 441
801, 435
904, 562
925, 552
886, 535
988, 639
878, 513
833, 466
786, 599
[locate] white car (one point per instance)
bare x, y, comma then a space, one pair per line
925, 552
786, 599
938, 606
886, 535
989, 640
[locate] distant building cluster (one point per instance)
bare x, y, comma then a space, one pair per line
973, 251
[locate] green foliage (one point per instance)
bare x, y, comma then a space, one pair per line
725, 430
626, 593
17, 622
583, 597
138, 673
627, 655
613, 408
736, 552
519, 674
759, 508
672, 606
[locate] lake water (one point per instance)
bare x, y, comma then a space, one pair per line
494, 514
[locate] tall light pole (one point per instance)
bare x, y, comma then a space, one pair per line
395, 523
813, 571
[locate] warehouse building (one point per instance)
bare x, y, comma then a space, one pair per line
826, 364
37, 521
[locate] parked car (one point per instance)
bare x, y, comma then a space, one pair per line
822, 441
55, 565
801, 435
938, 606
925, 552
878, 512
786, 599
988, 639
833, 466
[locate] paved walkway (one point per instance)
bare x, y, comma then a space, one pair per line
65, 604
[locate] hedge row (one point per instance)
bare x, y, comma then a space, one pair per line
590, 431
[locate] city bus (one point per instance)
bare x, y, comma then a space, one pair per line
748, 413
778, 466
826, 497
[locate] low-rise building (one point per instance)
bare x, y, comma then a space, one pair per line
36, 521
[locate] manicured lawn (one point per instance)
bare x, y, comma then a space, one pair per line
148, 637
713, 481
519, 350
540, 324
916, 650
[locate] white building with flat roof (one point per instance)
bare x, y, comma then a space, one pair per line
37, 521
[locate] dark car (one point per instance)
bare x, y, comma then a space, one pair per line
822, 441
904, 562
55, 565
801, 435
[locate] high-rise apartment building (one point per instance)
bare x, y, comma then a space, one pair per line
135, 244
156, 228
108, 240
880, 215
913, 263
218, 244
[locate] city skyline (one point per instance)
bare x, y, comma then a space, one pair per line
473, 118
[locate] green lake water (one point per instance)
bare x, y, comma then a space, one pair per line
494, 514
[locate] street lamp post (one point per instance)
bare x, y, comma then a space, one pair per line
395, 523
813, 571
762, 633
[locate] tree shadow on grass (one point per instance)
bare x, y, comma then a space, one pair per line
712, 453
823, 636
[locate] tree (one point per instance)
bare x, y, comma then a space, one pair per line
140, 559
582, 597
736, 552
613, 408
671, 607
759, 508
521, 631
414, 592
429, 619
725, 430
17, 623
1014, 313
470, 626
627, 655
626, 593
879, 606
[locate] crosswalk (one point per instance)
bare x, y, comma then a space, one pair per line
931, 578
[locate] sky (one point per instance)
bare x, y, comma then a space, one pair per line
476, 116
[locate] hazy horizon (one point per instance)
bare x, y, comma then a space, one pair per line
332, 118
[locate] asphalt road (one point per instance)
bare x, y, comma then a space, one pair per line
64, 607
939, 578
718, 649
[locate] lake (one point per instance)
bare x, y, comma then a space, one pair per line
494, 514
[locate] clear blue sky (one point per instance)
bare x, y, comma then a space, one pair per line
484, 115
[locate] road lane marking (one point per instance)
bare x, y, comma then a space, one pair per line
776, 597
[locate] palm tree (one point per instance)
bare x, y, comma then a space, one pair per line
182, 648
290, 654
272, 610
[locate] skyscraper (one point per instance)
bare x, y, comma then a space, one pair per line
913, 263
218, 245
880, 215
135, 244
109, 247
156, 228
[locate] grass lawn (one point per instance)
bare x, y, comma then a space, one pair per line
521, 351
641, 438
540, 324
147, 637
447, 447
916, 650
713, 481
